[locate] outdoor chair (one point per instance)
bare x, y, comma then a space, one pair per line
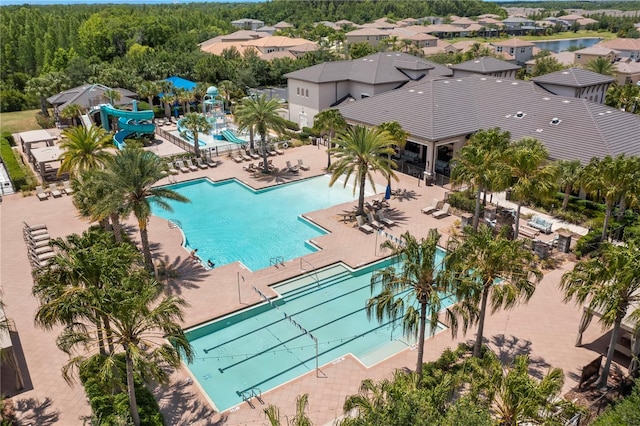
253, 154
382, 218
191, 166
432, 208
54, 190
278, 150
66, 187
373, 222
211, 162
363, 226
42, 195
302, 165
292, 169
180, 165
270, 150
444, 211
171, 169
201, 164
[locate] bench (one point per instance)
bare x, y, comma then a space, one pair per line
527, 232
540, 224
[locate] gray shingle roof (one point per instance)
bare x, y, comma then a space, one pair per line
485, 65
447, 107
573, 77
373, 69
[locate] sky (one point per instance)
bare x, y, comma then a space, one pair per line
18, 2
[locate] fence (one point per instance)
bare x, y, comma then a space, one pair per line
181, 143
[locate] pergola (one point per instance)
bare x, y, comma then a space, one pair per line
34, 137
42, 158
6, 349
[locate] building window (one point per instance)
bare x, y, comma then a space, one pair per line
578, 56
498, 48
522, 50
306, 92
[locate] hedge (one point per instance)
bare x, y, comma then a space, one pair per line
14, 168
623, 413
463, 201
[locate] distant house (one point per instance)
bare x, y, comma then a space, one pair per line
517, 23
282, 25
485, 65
626, 47
371, 36
565, 58
463, 22
247, 24
381, 24
446, 31
267, 30
627, 71
88, 96
418, 39
579, 19
576, 83
267, 47
343, 23
583, 56
326, 85
521, 50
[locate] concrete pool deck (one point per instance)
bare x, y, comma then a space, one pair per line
545, 327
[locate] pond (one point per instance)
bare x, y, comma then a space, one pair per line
564, 44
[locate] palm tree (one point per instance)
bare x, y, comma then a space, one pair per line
484, 268
569, 175
601, 65
113, 95
328, 122
260, 114
145, 326
196, 124
610, 285
72, 111
84, 149
533, 178
415, 280
168, 99
360, 151
480, 164
299, 419
133, 172
605, 178
148, 89
624, 97
398, 134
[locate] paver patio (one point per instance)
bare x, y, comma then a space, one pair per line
545, 328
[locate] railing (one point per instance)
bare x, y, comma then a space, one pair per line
175, 140
312, 270
174, 223
277, 260
181, 143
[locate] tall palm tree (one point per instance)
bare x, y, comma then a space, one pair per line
482, 269
610, 285
260, 114
480, 163
84, 149
605, 178
630, 183
112, 95
328, 122
398, 135
145, 326
601, 65
72, 111
527, 160
196, 124
569, 174
148, 89
625, 97
359, 152
168, 100
416, 279
299, 419
133, 172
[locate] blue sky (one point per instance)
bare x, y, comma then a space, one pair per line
14, 2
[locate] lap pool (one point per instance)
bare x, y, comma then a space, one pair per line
265, 346
228, 221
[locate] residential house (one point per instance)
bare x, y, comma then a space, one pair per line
371, 36
267, 47
521, 50
407, 22
441, 47
267, 30
88, 96
326, 85
328, 24
463, 22
431, 20
381, 24
625, 47
565, 58
627, 71
447, 31
247, 24
441, 114
283, 25
579, 19
235, 37
485, 65
515, 23
577, 83
418, 40
583, 56
344, 23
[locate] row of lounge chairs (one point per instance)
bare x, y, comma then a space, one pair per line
438, 213
43, 194
374, 221
38, 248
186, 166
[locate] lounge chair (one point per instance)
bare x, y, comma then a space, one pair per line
432, 208
171, 169
211, 162
382, 218
38, 244
35, 232
53, 188
292, 169
42, 195
250, 168
37, 227
201, 164
66, 187
363, 226
32, 239
444, 211
191, 166
253, 155
278, 150
302, 165
237, 158
180, 165
270, 150
245, 156
373, 222
41, 250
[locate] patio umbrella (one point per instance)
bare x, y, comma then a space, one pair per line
387, 194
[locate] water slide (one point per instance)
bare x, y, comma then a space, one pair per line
186, 133
129, 122
231, 137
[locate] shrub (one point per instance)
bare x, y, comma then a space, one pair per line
463, 201
45, 122
291, 125
624, 412
9, 137
16, 170
303, 136
588, 243
311, 132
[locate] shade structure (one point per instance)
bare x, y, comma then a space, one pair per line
387, 194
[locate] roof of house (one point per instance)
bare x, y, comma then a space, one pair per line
596, 50
367, 31
283, 24
277, 54
485, 65
464, 45
236, 36
516, 20
378, 68
573, 77
305, 47
463, 21
488, 21
570, 17
247, 21
276, 41
565, 58
513, 42
267, 29
446, 107
444, 28
489, 15
627, 67
89, 95
622, 43
404, 33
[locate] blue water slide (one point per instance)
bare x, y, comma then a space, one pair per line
231, 137
118, 138
132, 125
186, 133
129, 115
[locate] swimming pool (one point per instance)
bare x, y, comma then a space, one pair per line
267, 345
228, 221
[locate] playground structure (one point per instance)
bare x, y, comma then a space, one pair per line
130, 123
213, 110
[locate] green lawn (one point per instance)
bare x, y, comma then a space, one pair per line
19, 121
